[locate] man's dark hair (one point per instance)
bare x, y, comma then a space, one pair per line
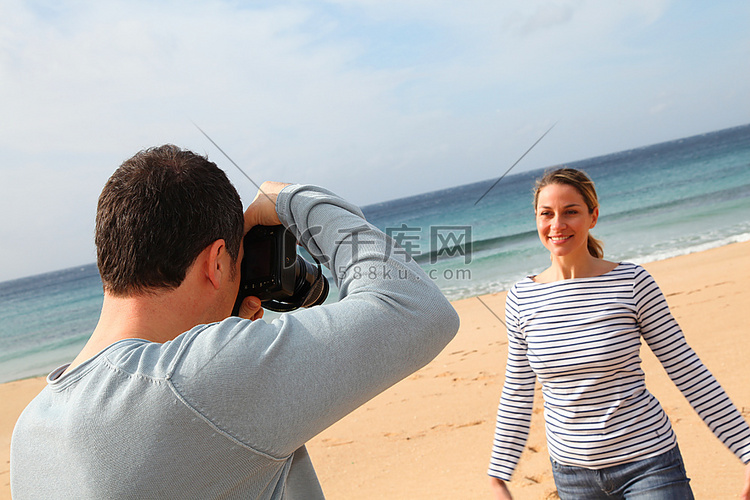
157, 213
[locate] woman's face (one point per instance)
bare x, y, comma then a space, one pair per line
563, 220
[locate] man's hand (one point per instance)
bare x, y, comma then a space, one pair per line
262, 211
251, 308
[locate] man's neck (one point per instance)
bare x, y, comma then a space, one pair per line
205, 295
156, 317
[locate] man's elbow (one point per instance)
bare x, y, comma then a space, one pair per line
443, 319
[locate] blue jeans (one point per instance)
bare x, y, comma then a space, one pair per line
658, 478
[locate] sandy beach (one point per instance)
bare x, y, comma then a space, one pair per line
430, 435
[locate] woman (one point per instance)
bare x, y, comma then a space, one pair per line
577, 326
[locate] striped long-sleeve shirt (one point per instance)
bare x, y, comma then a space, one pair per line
581, 338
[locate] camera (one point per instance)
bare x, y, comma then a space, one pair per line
272, 271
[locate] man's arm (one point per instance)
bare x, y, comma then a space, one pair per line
284, 382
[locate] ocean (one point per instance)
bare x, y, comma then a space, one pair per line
657, 201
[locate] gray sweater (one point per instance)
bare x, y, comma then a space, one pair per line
224, 410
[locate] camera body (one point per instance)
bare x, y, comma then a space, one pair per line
272, 271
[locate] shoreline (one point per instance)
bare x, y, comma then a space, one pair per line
69, 350
429, 436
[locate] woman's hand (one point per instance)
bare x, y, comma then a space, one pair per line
745, 495
499, 489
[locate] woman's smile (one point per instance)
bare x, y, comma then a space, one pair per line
559, 240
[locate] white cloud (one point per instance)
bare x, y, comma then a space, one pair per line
375, 99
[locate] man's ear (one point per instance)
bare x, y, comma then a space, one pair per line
216, 264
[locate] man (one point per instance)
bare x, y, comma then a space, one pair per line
171, 397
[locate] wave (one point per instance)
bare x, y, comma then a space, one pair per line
474, 247
649, 210
653, 256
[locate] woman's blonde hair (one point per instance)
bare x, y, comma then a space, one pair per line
585, 186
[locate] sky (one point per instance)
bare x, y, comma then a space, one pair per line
373, 99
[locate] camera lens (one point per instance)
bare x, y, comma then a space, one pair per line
311, 287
